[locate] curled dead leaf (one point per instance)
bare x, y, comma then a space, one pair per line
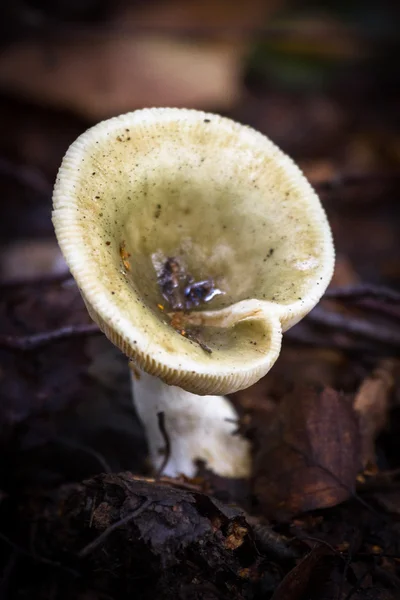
371, 404
293, 586
308, 455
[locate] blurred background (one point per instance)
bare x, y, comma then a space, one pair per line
319, 78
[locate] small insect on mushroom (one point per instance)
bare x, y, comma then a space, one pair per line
199, 292
181, 290
169, 280
183, 293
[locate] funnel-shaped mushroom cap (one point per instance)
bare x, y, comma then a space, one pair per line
222, 199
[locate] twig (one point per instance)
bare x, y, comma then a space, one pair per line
7, 572
376, 554
308, 336
358, 327
356, 587
348, 561
36, 557
319, 316
383, 480
88, 450
269, 541
37, 281
354, 180
27, 176
104, 535
38, 340
164, 433
373, 298
364, 290
298, 535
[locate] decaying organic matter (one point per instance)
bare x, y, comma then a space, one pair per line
143, 538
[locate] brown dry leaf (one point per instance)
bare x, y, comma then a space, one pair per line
308, 456
319, 171
27, 259
295, 584
98, 76
139, 60
344, 273
371, 404
311, 366
389, 500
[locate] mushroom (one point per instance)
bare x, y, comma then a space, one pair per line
195, 242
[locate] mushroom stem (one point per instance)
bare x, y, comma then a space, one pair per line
198, 428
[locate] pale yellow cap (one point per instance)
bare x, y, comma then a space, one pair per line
226, 201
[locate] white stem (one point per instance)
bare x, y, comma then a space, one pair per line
198, 428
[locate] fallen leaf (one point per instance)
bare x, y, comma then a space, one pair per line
100, 75
308, 455
344, 273
311, 366
389, 500
319, 171
27, 259
371, 404
296, 581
